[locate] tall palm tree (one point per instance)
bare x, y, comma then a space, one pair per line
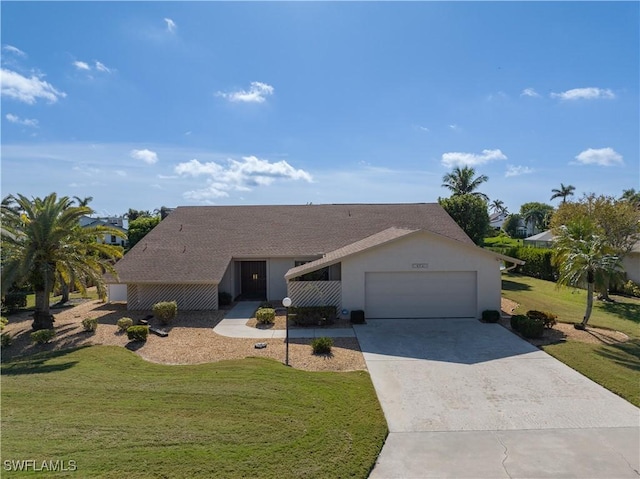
632, 196
461, 181
562, 192
40, 240
83, 201
582, 256
497, 206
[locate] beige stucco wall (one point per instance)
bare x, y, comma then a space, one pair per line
440, 254
276, 269
227, 283
631, 264
117, 292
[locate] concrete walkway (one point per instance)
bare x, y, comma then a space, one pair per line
234, 325
465, 399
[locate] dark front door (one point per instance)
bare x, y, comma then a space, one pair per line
253, 279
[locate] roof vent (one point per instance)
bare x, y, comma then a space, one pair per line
180, 227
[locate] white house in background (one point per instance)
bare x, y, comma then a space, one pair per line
390, 260
541, 240
496, 220
112, 221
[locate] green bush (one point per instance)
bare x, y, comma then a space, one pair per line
266, 315
313, 315
90, 324
3, 322
538, 262
5, 340
632, 289
490, 316
532, 328
517, 320
548, 319
13, 301
224, 299
321, 345
165, 311
124, 324
42, 336
137, 333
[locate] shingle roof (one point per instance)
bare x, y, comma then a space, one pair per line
195, 244
335, 256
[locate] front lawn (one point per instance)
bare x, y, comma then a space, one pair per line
615, 366
117, 416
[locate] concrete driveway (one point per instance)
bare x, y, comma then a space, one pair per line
465, 399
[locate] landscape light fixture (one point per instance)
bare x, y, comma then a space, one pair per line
286, 302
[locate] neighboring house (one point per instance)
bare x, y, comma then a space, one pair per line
390, 260
541, 240
496, 220
631, 264
114, 222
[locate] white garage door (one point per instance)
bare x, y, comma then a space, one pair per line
420, 295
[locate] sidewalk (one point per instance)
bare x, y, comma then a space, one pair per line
234, 325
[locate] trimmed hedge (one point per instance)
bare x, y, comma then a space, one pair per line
266, 315
538, 262
548, 319
165, 311
137, 333
528, 327
13, 301
313, 315
490, 316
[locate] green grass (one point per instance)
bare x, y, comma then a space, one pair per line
502, 242
31, 298
119, 416
616, 367
570, 303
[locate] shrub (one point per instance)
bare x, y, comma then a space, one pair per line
532, 328
124, 324
548, 319
42, 336
265, 304
3, 322
321, 345
266, 315
165, 311
137, 333
90, 324
224, 299
630, 288
313, 315
490, 316
13, 301
538, 262
5, 340
517, 320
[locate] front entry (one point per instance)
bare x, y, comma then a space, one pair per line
253, 279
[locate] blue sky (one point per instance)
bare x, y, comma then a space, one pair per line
149, 104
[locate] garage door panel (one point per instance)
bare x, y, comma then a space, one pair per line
420, 294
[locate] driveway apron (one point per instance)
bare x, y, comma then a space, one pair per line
464, 399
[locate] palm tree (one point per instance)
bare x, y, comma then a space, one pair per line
497, 206
582, 256
83, 201
562, 192
632, 196
40, 239
461, 181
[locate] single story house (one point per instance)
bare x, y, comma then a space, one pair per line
540, 240
112, 221
390, 260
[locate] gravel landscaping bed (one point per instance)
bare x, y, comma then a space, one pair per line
190, 340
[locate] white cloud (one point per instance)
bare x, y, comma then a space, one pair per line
27, 90
423, 128
530, 92
237, 175
22, 121
454, 127
599, 156
148, 156
171, 25
590, 93
14, 50
121, 173
81, 65
471, 159
101, 67
513, 170
257, 93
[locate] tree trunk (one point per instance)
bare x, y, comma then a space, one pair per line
587, 313
65, 293
603, 294
42, 317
